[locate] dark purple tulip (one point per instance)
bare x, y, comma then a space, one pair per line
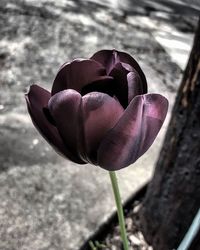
99, 111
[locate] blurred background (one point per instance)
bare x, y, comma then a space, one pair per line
46, 201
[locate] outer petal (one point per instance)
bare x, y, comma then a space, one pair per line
108, 58
134, 133
65, 108
100, 113
37, 98
77, 74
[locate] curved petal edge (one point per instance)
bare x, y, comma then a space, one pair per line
37, 98
134, 133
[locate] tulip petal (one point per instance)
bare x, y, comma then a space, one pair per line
127, 83
135, 86
37, 98
108, 58
119, 73
65, 108
100, 113
77, 74
134, 133
104, 84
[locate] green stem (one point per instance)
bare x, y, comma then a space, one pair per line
119, 209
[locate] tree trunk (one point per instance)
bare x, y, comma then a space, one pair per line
173, 196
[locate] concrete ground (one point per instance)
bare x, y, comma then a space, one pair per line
48, 203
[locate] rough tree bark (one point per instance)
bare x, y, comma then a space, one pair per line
173, 196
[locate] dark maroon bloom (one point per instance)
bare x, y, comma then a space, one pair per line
99, 111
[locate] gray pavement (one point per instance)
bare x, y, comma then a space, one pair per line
186, 7
48, 203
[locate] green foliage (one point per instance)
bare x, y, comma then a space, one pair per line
96, 245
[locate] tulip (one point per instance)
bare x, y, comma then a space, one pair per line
99, 111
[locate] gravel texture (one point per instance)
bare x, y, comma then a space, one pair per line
108, 237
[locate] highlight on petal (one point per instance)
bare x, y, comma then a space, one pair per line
65, 108
76, 74
37, 98
100, 113
135, 85
108, 58
134, 133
